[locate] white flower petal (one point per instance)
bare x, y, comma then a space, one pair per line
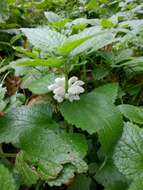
75, 89
60, 91
72, 80
60, 81
58, 98
79, 83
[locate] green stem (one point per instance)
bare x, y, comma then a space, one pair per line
8, 155
66, 77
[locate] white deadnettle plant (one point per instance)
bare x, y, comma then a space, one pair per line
74, 89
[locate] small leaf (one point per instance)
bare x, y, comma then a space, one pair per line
51, 16
106, 23
39, 62
133, 113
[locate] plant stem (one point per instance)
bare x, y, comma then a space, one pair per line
66, 76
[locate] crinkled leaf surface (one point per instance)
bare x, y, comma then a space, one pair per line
7, 181
128, 154
94, 112
65, 177
17, 120
48, 170
48, 144
44, 38
133, 113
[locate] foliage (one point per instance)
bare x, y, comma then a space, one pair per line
56, 50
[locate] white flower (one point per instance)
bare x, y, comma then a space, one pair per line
74, 89
58, 89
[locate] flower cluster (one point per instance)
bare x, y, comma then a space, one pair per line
74, 89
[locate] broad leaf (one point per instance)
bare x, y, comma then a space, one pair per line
40, 86
94, 112
133, 113
48, 144
58, 155
44, 38
69, 45
7, 181
95, 43
17, 120
128, 154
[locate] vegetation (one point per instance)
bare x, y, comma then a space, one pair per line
71, 96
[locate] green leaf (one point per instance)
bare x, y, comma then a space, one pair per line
65, 177
94, 112
99, 41
49, 144
39, 62
136, 184
25, 52
2, 95
28, 174
51, 16
69, 45
4, 14
133, 113
7, 181
108, 175
128, 154
17, 120
40, 86
44, 38
2, 92
100, 73
106, 23
93, 4
81, 182
48, 170
117, 186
